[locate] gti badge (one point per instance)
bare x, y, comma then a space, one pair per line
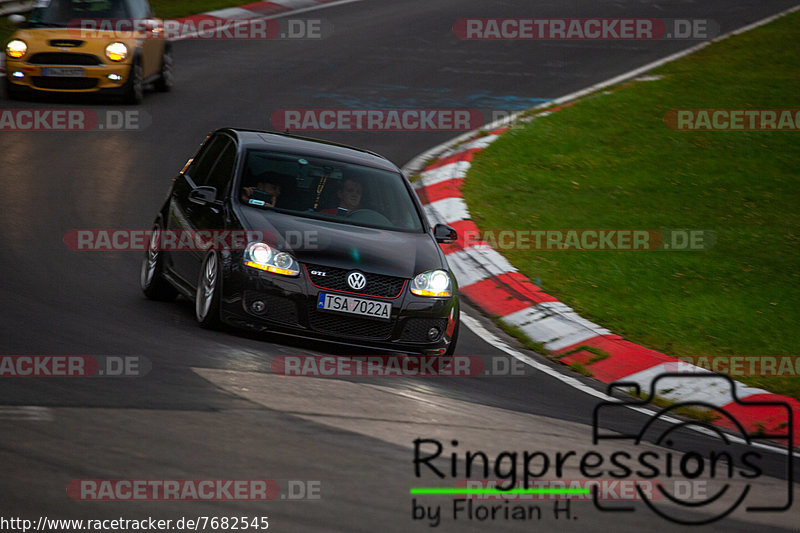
356, 280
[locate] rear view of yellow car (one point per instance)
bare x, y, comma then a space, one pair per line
89, 46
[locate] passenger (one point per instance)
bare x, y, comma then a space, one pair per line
267, 184
349, 193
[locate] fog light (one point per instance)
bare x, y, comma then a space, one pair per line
18, 74
114, 77
433, 334
258, 306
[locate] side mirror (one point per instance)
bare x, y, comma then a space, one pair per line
203, 195
444, 234
16, 19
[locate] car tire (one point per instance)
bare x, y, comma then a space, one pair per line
12, 91
207, 296
166, 80
151, 278
451, 348
134, 87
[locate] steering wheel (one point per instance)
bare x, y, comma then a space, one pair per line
368, 216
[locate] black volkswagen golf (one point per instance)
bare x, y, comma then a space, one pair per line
303, 237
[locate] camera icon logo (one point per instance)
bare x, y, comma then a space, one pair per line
698, 453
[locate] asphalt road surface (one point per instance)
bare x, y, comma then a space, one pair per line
210, 408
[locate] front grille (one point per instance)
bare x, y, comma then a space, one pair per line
416, 329
335, 279
349, 325
64, 58
276, 308
66, 43
45, 82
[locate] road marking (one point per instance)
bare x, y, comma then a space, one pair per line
26, 412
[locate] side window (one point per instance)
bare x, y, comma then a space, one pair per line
222, 173
200, 168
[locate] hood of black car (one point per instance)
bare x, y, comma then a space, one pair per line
321, 242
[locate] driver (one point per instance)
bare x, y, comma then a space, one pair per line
349, 194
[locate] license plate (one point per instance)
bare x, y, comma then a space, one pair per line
60, 72
354, 306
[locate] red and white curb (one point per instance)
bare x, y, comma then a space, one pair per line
487, 279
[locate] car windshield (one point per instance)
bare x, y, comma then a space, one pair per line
326, 189
68, 12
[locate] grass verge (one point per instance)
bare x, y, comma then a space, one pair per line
610, 162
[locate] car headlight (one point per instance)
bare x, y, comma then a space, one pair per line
16, 48
261, 256
431, 283
116, 51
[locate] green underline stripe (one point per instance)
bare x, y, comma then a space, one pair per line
447, 490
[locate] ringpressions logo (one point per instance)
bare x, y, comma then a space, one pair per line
727, 462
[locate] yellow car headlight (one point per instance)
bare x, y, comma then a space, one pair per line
16, 48
116, 51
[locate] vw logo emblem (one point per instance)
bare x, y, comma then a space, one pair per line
356, 280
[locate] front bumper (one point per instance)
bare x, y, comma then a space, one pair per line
99, 78
290, 307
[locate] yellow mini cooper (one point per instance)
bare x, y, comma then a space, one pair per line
88, 46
